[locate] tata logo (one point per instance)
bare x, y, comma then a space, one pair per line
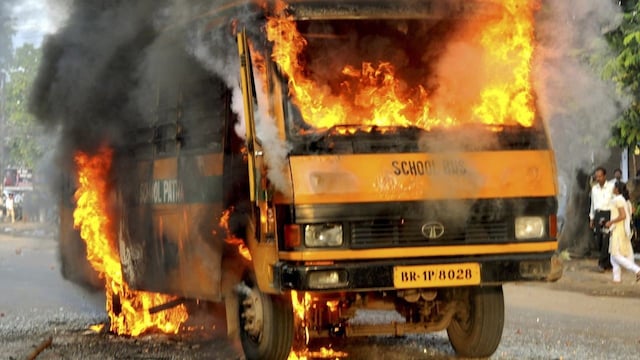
432, 230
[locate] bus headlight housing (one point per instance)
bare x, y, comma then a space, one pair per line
530, 227
323, 235
327, 279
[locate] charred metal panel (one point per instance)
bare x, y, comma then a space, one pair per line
481, 209
170, 233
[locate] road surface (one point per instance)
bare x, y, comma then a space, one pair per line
36, 304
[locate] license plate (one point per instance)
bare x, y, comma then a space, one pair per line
405, 277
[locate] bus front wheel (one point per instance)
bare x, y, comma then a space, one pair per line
266, 324
476, 330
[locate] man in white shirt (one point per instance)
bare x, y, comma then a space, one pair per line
617, 176
9, 205
599, 214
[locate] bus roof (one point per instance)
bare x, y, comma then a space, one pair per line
360, 9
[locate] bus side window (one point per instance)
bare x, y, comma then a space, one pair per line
203, 115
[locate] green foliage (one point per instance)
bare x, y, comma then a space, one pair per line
18, 131
625, 71
21, 142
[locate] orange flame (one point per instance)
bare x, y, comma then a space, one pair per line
509, 45
97, 327
300, 309
373, 94
323, 353
230, 238
128, 309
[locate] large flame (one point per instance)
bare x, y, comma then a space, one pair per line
483, 75
300, 310
128, 310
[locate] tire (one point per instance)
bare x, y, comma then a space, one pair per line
266, 325
478, 333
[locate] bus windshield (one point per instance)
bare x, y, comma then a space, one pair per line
348, 76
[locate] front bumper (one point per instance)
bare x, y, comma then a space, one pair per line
379, 275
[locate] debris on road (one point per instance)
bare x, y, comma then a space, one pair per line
43, 345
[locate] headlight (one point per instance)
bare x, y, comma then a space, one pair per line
529, 227
323, 235
327, 279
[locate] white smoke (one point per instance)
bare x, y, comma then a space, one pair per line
217, 51
210, 52
275, 149
579, 106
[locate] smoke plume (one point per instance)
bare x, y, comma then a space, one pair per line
579, 106
88, 72
101, 71
6, 31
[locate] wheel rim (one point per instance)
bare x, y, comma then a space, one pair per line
252, 311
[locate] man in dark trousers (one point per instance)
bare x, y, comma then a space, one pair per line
599, 214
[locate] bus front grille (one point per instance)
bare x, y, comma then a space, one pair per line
384, 233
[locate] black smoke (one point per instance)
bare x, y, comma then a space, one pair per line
98, 71
88, 71
100, 75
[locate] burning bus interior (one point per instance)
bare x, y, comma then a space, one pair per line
410, 80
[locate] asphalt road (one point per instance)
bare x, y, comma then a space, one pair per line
36, 304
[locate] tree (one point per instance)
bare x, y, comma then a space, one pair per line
21, 142
6, 52
624, 69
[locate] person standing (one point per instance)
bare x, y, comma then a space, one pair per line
617, 176
9, 205
620, 230
4, 205
599, 214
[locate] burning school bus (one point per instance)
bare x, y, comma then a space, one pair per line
417, 177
